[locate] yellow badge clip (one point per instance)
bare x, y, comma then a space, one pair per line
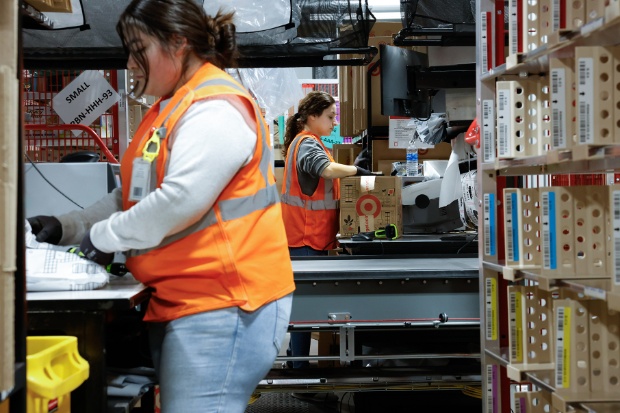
153, 145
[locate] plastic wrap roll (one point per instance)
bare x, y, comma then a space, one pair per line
470, 199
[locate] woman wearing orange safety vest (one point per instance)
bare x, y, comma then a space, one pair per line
198, 214
311, 189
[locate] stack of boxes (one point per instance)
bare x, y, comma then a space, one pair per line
370, 203
355, 89
361, 198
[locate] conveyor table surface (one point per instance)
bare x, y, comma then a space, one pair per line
386, 267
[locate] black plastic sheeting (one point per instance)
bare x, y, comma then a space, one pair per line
318, 32
436, 13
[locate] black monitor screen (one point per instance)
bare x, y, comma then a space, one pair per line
396, 98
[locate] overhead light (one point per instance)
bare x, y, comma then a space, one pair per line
385, 10
384, 5
387, 16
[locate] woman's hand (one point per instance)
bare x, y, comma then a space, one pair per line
46, 228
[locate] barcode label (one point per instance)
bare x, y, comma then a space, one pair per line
137, 192
511, 205
616, 235
555, 6
562, 345
504, 132
516, 348
594, 292
520, 405
513, 28
547, 202
502, 101
504, 120
558, 108
557, 133
490, 292
508, 216
488, 130
484, 46
555, 86
585, 100
583, 71
491, 378
584, 124
489, 224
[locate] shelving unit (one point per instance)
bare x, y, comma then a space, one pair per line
12, 281
47, 137
550, 254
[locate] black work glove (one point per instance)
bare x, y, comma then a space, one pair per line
92, 253
46, 228
363, 159
366, 172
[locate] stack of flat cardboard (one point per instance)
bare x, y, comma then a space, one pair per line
356, 93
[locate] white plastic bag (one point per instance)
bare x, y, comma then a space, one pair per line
252, 15
50, 268
276, 88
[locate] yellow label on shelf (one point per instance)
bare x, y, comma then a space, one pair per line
566, 358
562, 347
517, 332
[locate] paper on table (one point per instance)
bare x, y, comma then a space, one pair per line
50, 268
451, 188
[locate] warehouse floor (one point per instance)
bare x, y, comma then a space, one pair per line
286, 403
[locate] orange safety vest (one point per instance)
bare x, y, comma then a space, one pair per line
309, 220
236, 254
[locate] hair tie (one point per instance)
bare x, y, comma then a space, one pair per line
296, 116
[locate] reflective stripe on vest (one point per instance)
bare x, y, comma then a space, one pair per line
230, 209
314, 205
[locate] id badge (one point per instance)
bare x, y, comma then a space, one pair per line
140, 180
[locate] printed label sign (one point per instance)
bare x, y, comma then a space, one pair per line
85, 99
402, 129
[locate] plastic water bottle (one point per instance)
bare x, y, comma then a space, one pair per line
412, 158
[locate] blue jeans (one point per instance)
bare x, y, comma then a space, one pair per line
300, 342
213, 361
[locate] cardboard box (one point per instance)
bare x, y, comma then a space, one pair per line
346, 153
382, 33
56, 6
386, 165
369, 203
279, 175
355, 91
328, 345
381, 151
377, 119
385, 29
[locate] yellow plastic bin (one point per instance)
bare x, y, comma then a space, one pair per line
54, 369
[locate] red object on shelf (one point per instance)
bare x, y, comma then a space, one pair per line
45, 138
67, 142
472, 136
500, 33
